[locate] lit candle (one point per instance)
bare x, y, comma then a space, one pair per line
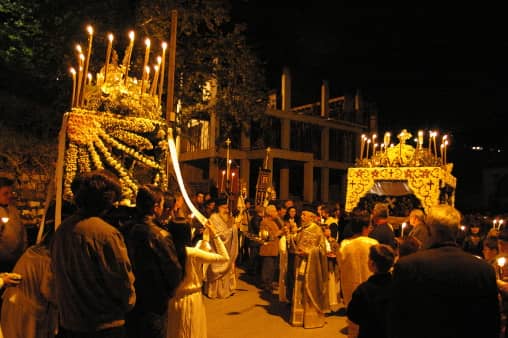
145, 79
420, 139
403, 225
374, 149
386, 140
80, 79
367, 152
73, 73
501, 261
129, 54
228, 162
155, 82
499, 224
494, 222
5, 219
362, 145
374, 136
222, 181
463, 227
108, 56
434, 134
147, 54
233, 181
87, 61
161, 79
430, 139
441, 150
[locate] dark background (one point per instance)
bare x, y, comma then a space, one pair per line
429, 65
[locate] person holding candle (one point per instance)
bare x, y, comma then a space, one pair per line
419, 229
502, 278
473, 242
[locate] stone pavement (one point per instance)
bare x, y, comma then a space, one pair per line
253, 313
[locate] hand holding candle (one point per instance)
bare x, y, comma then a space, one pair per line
402, 227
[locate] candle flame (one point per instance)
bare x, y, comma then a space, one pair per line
5, 219
89, 29
501, 261
159, 60
147, 69
110, 37
156, 68
164, 45
73, 71
82, 57
78, 49
131, 35
147, 42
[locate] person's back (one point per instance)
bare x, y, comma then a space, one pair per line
443, 291
369, 303
29, 310
93, 277
155, 265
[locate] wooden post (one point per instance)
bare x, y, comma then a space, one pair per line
170, 113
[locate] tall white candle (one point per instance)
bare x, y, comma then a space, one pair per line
161, 77
73, 73
129, 55
87, 61
108, 56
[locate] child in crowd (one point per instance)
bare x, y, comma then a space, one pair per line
368, 306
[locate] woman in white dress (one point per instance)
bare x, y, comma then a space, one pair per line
186, 312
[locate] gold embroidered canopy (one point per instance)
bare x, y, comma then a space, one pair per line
421, 169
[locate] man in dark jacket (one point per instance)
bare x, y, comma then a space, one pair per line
155, 264
443, 291
94, 282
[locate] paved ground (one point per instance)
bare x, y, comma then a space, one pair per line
252, 313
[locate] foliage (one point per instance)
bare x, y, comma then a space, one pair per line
209, 49
21, 152
38, 47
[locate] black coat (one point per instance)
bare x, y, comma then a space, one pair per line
444, 292
155, 266
368, 306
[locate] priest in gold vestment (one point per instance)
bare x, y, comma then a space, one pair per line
310, 294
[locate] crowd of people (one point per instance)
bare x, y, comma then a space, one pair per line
114, 271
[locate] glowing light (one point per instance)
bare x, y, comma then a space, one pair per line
176, 166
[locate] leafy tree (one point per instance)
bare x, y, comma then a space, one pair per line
210, 49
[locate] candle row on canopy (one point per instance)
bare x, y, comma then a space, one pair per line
497, 223
369, 147
82, 79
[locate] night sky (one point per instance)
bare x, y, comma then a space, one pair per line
426, 65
